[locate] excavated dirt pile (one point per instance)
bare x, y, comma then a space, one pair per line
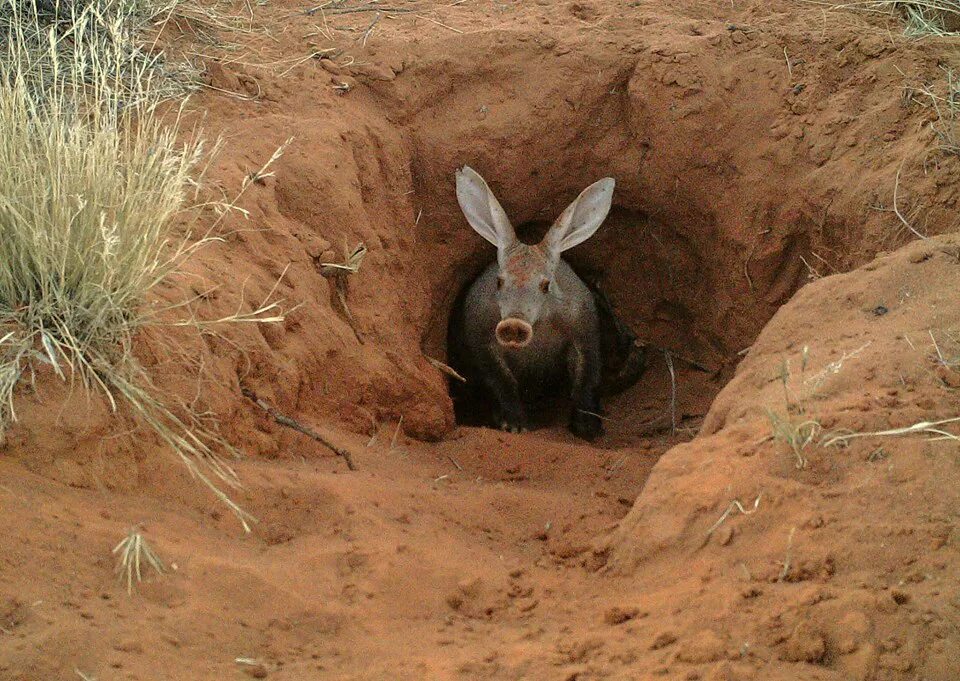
735, 522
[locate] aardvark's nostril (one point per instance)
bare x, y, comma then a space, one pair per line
514, 333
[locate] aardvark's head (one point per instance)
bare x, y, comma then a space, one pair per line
526, 273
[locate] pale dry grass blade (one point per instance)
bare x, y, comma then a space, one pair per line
933, 429
735, 505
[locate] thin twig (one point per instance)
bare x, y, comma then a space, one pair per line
329, 5
396, 433
300, 428
338, 272
896, 209
454, 462
313, 55
366, 34
372, 8
746, 262
734, 505
936, 347
931, 428
834, 367
673, 393
813, 272
229, 93
786, 560
943, 360
445, 368
438, 23
313, 10
823, 261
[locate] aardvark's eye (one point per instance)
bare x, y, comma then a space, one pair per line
545, 285
499, 283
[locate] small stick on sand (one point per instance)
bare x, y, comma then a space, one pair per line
446, 368
396, 434
786, 561
366, 34
896, 209
673, 393
438, 23
693, 363
746, 263
299, 427
339, 272
325, 5
734, 505
372, 8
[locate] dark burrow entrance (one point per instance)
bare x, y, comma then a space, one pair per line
708, 233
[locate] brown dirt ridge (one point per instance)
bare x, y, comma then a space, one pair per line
755, 233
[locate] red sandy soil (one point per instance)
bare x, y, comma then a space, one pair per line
756, 148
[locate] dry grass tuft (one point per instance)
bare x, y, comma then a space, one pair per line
797, 434
945, 101
921, 17
132, 552
56, 43
90, 179
929, 17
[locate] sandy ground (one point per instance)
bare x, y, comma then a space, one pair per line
756, 147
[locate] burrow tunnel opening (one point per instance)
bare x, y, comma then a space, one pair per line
709, 234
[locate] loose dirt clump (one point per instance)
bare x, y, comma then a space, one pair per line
756, 238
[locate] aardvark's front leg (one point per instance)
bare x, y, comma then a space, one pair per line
501, 382
584, 367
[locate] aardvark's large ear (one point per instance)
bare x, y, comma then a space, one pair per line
581, 218
482, 209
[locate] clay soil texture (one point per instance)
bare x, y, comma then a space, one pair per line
781, 231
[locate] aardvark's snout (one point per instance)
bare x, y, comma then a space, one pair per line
514, 333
